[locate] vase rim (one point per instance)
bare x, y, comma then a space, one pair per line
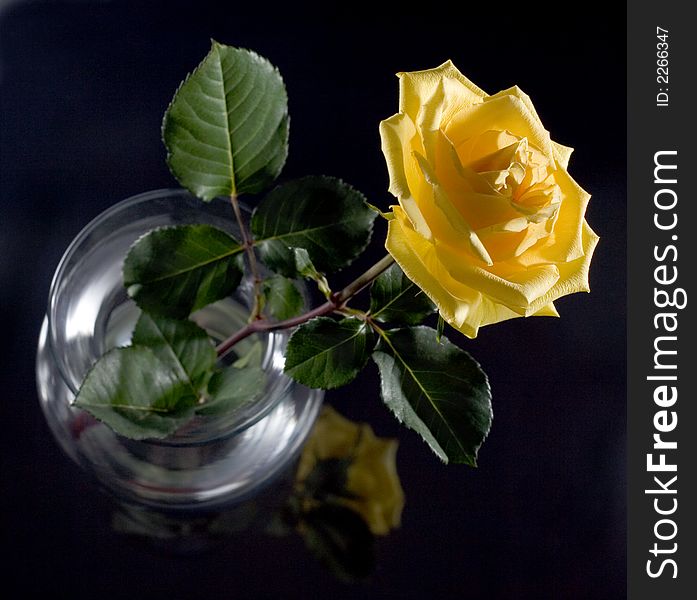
82, 235
76, 242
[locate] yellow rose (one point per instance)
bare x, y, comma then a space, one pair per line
490, 224
372, 476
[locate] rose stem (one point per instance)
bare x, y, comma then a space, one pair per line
248, 245
336, 302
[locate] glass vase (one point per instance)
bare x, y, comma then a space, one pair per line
212, 462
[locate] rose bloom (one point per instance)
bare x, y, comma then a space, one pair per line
490, 224
372, 476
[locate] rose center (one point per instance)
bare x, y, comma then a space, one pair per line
515, 184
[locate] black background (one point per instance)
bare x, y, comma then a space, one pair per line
83, 88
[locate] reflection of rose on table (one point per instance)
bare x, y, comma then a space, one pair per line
372, 482
490, 224
347, 491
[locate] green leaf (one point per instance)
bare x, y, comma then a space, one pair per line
176, 270
324, 353
305, 268
303, 264
278, 257
291, 263
395, 298
226, 129
253, 354
440, 328
231, 388
181, 344
136, 394
283, 300
436, 389
323, 215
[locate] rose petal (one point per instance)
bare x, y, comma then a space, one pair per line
458, 179
573, 276
523, 97
429, 117
417, 86
487, 143
566, 242
444, 218
413, 254
486, 210
396, 134
504, 113
476, 201
500, 158
441, 154
549, 310
562, 154
486, 312
511, 239
515, 289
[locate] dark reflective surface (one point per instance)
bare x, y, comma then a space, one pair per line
82, 91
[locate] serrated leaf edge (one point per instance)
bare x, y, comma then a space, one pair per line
472, 461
